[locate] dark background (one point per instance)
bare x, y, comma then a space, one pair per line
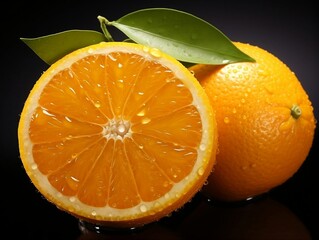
288, 30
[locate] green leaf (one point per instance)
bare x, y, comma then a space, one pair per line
180, 34
52, 47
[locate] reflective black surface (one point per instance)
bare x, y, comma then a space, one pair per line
290, 211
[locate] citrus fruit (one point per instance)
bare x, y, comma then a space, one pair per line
117, 134
265, 124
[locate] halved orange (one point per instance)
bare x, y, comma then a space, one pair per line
118, 134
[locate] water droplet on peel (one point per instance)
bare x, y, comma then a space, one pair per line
146, 120
155, 52
234, 110
34, 166
200, 171
97, 104
141, 113
202, 147
143, 208
243, 100
226, 120
93, 213
140, 146
119, 65
120, 83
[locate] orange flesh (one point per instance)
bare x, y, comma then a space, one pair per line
115, 114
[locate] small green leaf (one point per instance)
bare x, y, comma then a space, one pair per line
180, 34
52, 47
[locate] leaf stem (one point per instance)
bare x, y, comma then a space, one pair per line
103, 23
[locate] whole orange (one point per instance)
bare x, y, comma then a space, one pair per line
265, 124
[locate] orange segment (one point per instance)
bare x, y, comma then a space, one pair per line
117, 133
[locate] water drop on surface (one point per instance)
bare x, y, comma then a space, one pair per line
34, 166
146, 49
97, 104
200, 171
226, 120
141, 113
146, 120
202, 147
93, 213
155, 52
143, 208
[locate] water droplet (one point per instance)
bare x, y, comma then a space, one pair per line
226, 120
243, 100
93, 213
155, 52
97, 104
244, 117
34, 166
234, 110
166, 196
140, 146
120, 83
146, 49
146, 120
200, 171
72, 199
143, 208
202, 147
141, 113
90, 50
119, 65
